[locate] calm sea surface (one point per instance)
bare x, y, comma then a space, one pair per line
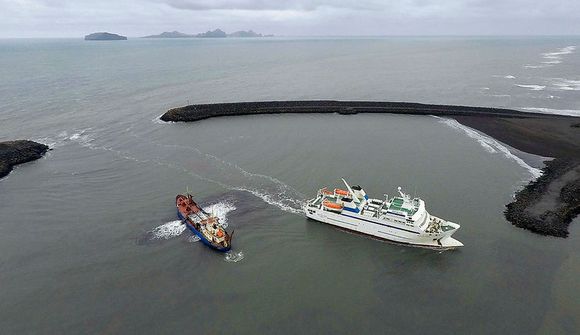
88, 237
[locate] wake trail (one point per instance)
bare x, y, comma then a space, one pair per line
266, 188
269, 189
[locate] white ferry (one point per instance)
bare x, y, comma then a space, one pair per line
399, 219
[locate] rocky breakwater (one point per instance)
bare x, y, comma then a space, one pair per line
18, 152
548, 204
203, 111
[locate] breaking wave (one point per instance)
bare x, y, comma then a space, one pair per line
158, 120
490, 144
532, 87
566, 84
571, 112
552, 58
79, 136
555, 57
528, 66
509, 76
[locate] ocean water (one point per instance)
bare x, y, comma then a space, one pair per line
89, 241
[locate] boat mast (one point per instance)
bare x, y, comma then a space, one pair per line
347, 186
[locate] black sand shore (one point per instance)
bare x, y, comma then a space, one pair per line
548, 204
545, 206
18, 152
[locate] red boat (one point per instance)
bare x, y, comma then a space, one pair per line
205, 225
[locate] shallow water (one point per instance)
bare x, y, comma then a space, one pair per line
88, 236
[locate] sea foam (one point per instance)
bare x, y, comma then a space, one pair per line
490, 145
168, 230
532, 87
233, 257
175, 228
566, 84
269, 189
570, 112
553, 58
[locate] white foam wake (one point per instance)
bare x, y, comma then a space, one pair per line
168, 230
271, 190
221, 210
233, 257
532, 87
490, 144
175, 228
267, 188
286, 204
193, 239
571, 112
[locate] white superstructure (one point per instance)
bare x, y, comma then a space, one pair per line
399, 219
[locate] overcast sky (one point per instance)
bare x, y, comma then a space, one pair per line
74, 18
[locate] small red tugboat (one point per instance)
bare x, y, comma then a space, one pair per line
205, 225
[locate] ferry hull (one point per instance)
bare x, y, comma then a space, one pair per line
382, 230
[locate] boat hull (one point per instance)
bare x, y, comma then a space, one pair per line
383, 230
203, 239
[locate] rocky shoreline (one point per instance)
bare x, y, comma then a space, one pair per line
18, 152
545, 209
546, 206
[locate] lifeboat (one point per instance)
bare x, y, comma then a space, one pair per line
332, 206
203, 224
327, 192
340, 192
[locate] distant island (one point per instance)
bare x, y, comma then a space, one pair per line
170, 34
103, 36
217, 33
249, 33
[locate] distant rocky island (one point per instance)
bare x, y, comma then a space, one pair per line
103, 36
217, 33
18, 152
170, 34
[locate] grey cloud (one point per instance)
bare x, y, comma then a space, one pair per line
69, 18
261, 5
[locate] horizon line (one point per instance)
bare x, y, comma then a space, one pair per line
313, 36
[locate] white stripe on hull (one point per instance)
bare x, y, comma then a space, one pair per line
384, 230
